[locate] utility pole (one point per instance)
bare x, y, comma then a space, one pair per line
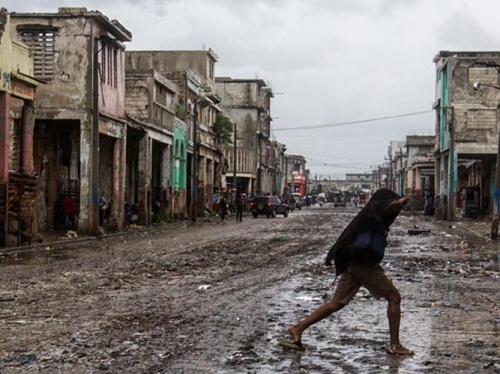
94, 146
194, 176
390, 173
496, 196
452, 210
235, 163
286, 192
401, 172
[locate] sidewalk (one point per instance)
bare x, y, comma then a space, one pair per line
65, 238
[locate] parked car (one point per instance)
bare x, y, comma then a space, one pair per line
270, 206
339, 200
299, 200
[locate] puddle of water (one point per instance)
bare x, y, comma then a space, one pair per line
308, 298
434, 324
36, 257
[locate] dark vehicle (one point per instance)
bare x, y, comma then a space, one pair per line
339, 200
270, 206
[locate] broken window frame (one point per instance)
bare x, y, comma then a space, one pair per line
41, 42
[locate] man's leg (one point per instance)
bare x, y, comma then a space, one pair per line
394, 316
322, 312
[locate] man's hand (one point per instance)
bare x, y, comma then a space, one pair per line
398, 203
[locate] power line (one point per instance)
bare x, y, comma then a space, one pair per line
352, 122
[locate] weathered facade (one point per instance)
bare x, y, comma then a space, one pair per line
80, 122
248, 103
157, 188
193, 73
396, 166
467, 122
296, 174
420, 167
17, 178
279, 158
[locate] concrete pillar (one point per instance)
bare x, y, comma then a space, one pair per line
118, 187
4, 135
28, 126
144, 188
202, 182
165, 173
85, 180
123, 177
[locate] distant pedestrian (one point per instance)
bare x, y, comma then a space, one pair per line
69, 207
355, 200
223, 208
59, 217
357, 253
238, 202
103, 206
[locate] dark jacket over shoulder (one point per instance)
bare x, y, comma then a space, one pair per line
378, 214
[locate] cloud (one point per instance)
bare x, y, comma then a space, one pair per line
335, 60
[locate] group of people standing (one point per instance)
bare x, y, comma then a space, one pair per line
239, 204
65, 213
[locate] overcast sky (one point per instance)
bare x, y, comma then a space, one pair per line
328, 61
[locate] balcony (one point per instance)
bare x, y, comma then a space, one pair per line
245, 161
163, 118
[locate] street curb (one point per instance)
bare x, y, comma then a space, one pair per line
70, 242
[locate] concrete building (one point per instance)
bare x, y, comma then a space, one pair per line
296, 177
156, 148
193, 73
467, 122
80, 122
248, 103
17, 179
396, 165
420, 169
363, 181
279, 159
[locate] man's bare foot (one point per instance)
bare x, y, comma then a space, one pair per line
399, 350
296, 334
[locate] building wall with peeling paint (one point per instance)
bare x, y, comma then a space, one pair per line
71, 39
467, 122
194, 74
151, 100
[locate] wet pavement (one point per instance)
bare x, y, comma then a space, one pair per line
215, 298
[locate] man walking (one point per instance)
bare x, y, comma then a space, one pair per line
223, 208
238, 202
357, 253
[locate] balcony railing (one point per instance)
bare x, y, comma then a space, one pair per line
163, 118
245, 160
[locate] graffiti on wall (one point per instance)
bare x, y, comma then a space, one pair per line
4, 80
112, 129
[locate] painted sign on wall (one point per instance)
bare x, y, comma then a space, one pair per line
22, 90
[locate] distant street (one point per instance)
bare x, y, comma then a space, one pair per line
214, 298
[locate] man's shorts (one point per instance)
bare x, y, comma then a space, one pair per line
370, 276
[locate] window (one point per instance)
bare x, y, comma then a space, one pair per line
115, 67
42, 45
109, 64
211, 70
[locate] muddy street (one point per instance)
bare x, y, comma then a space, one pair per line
214, 299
